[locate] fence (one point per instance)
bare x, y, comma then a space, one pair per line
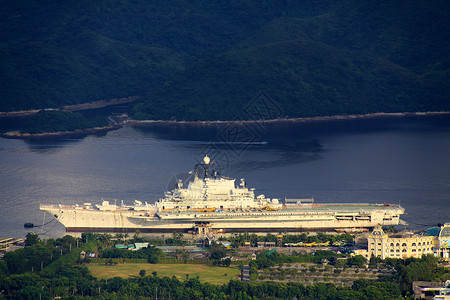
143, 260
185, 261
118, 260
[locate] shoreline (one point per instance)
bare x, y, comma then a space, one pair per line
297, 120
131, 122
59, 134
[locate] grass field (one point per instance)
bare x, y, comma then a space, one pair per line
211, 274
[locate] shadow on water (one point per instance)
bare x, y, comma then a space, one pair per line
242, 146
278, 152
49, 146
287, 142
258, 146
225, 132
237, 159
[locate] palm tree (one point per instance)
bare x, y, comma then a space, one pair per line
105, 239
119, 237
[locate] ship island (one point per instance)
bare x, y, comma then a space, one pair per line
212, 204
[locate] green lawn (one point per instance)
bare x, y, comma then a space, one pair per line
211, 274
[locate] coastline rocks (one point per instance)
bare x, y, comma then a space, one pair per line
122, 120
300, 120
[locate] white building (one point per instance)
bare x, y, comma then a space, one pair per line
434, 241
444, 243
400, 245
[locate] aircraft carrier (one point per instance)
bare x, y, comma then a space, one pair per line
211, 203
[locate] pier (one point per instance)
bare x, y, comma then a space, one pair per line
10, 244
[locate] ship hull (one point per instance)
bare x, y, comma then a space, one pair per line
303, 218
231, 230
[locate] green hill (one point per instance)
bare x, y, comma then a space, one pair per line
86, 67
202, 60
305, 77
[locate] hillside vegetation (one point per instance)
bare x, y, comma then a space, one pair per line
59, 121
207, 61
54, 269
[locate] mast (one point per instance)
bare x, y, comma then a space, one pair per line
205, 166
206, 160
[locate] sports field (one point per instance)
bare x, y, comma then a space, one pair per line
211, 274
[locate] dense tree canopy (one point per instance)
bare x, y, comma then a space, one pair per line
52, 268
55, 121
209, 60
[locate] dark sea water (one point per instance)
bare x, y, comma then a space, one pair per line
404, 161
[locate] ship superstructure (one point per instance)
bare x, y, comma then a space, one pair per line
209, 191
215, 203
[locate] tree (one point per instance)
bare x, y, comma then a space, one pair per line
53, 121
270, 238
31, 239
153, 254
105, 239
340, 263
416, 269
374, 261
142, 273
226, 262
66, 242
31, 292
182, 254
177, 236
253, 272
264, 262
87, 237
358, 261
3, 267
137, 237
119, 237
360, 284
216, 251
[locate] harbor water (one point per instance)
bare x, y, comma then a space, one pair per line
385, 160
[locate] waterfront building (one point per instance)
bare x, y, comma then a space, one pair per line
444, 242
434, 241
442, 235
399, 245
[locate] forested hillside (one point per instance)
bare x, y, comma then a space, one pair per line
207, 61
